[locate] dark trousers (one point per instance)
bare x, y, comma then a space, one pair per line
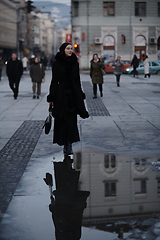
148, 74
14, 85
135, 72
95, 88
118, 78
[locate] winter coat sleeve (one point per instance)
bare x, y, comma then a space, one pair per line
78, 82
53, 86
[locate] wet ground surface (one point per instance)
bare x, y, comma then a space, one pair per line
119, 203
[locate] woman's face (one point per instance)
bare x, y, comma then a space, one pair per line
68, 50
36, 60
118, 58
95, 57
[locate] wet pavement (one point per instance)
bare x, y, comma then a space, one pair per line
118, 158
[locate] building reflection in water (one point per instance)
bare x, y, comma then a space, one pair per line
122, 187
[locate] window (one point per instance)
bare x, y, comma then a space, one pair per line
76, 9
108, 9
110, 189
110, 163
140, 186
158, 185
140, 9
155, 64
158, 9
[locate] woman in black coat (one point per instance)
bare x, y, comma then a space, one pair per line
67, 98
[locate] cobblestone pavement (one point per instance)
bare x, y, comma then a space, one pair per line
14, 157
95, 108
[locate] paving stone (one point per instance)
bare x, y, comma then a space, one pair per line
14, 158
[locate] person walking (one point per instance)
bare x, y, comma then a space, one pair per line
146, 67
14, 71
1, 67
118, 69
135, 63
96, 74
66, 97
36, 73
25, 63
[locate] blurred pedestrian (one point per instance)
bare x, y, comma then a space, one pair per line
96, 74
146, 67
25, 63
36, 73
135, 63
44, 61
118, 69
14, 72
1, 67
67, 98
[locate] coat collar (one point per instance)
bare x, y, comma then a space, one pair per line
66, 60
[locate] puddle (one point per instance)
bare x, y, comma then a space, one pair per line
124, 200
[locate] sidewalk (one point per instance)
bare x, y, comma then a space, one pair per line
126, 119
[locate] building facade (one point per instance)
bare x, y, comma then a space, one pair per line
8, 28
112, 28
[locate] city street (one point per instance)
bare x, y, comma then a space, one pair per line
125, 121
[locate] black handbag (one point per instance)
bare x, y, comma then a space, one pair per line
48, 123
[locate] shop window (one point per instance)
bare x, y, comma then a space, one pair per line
110, 189
108, 9
140, 9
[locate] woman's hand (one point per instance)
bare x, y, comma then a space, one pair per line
51, 104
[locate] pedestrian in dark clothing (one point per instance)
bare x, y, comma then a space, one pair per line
14, 72
67, 97
96, 75
1, 67
118, 69
135, 63
36, 73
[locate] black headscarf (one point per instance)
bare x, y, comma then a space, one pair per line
63, 46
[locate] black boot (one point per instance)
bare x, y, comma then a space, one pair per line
95, 96
118, 84
101, 94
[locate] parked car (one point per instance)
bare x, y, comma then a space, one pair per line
109, 68
154, 68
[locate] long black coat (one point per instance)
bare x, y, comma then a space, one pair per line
68, 98
14, 70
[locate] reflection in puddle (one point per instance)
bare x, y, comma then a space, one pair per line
67, 202
124, 193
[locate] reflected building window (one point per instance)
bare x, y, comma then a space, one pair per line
110, 162
158, 185
140, 186
110, 189
140, 164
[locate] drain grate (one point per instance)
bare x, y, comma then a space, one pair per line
14, 158
95, 106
